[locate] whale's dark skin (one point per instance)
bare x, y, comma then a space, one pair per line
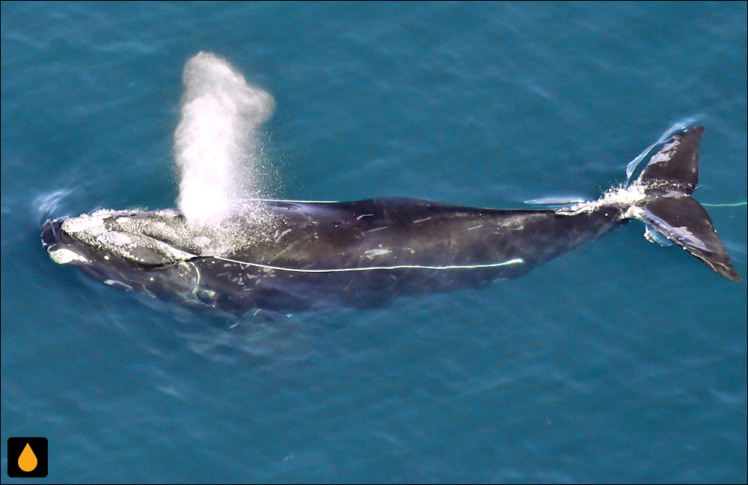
293, 256
354, 253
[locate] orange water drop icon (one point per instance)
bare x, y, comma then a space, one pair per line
27, 461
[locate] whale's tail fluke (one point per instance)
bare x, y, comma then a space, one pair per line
666, 184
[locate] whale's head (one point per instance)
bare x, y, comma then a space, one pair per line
120, 247
161, 254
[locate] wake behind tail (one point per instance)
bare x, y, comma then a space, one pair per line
665, 186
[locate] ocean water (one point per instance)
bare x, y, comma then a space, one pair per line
620, 362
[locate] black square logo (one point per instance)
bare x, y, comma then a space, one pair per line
27, 457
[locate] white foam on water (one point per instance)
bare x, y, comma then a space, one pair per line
217, 140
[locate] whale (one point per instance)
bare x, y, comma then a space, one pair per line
293, 256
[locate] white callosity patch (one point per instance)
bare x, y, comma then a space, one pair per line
165, 236
92, 224
216, 142
112, 238
65, 256
117, 233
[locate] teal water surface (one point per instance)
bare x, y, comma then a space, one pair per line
620, 362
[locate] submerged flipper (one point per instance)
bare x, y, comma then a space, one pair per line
671, 175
